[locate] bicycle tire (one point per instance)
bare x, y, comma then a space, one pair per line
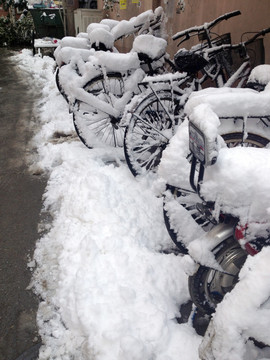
59, 86
150, 129
92, 124
174, 198
232, 139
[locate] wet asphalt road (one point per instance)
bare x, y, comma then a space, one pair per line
20, 205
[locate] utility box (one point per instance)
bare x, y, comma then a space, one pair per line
84, 17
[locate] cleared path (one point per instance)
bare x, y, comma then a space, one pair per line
20, 205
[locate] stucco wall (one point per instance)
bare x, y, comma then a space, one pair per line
124, 45
255, 16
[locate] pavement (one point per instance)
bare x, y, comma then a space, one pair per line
20, 205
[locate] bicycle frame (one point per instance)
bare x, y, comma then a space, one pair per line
210, 51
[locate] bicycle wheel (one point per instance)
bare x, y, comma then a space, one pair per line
59, 86
151, 127
92, 124
174, 201
174, 197
207, 286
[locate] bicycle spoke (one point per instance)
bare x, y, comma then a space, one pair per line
95, 123
155, 130
149, 131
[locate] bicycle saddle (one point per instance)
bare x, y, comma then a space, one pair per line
188, 61
149, 47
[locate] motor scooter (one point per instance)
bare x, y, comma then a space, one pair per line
232, 186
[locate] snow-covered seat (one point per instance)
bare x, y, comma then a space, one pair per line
117, 61
74, 42
64, 55
259, 77
99, 26
231, 102
149, 47
101, 39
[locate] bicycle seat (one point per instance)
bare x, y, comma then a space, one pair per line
188, 61
149, 47
116, 61
259, 77
101, 39
244, 103
145, 58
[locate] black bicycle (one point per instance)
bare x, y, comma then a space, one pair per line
154, 119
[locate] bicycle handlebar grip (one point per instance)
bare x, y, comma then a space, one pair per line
232, 14
260, 33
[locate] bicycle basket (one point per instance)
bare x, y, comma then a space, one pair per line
188, 61
218, 40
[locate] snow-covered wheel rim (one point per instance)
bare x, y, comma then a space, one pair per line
91, 123
208, 286
172, 199
150, 129
59, 86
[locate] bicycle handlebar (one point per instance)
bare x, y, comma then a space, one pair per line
213, 51
261, 33
205, 26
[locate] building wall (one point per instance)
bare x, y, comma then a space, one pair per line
254, 17
3, 12
6, 13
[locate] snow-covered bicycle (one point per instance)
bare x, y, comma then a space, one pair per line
244, 117
92, 74
100, 103
74, 52
154, 118
233, 196
217, 203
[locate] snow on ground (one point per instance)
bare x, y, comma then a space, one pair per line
109, 290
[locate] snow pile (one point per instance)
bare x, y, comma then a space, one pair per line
116, 294
109, 289
246, 102
248, 197
260, 74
